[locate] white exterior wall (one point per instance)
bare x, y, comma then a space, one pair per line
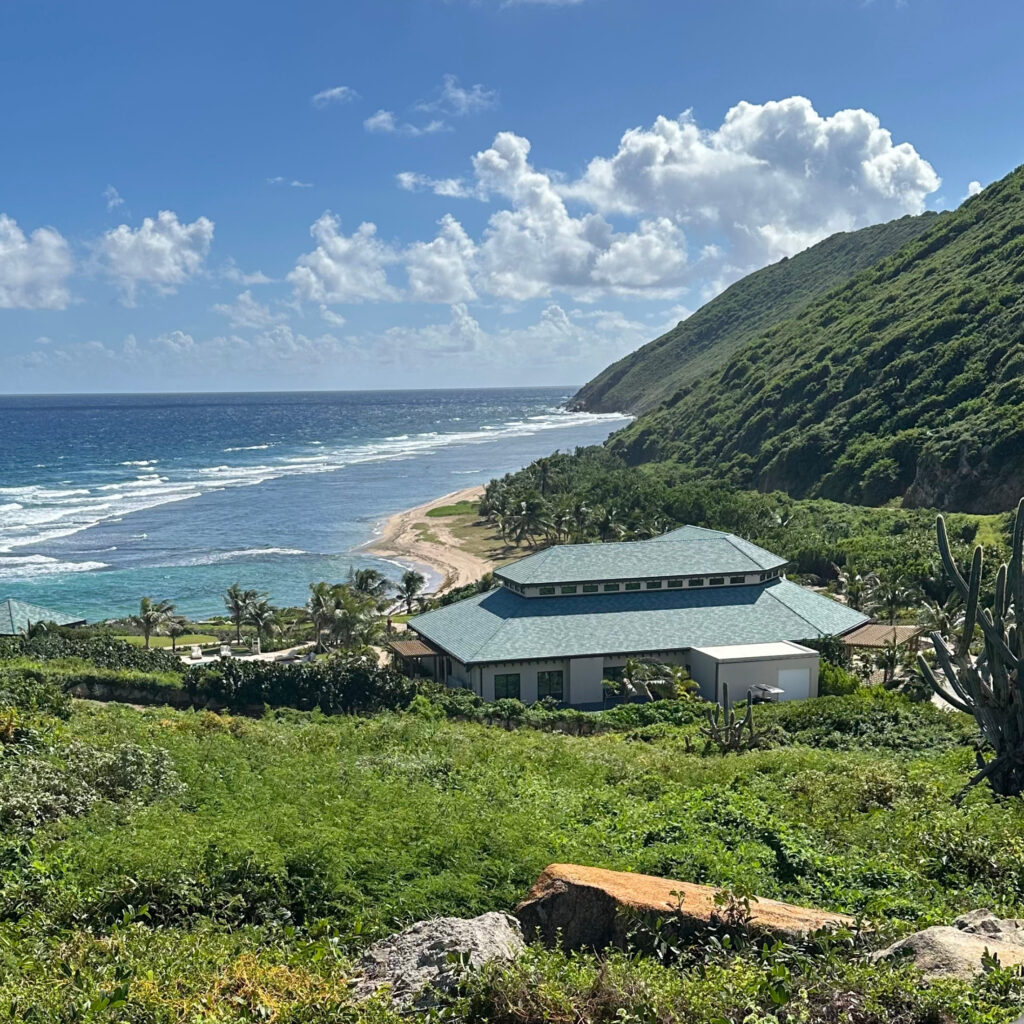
797, 676
527, 677
585, 676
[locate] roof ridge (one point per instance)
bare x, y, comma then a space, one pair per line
768, 590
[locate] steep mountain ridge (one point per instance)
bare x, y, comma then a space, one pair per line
905, 382
645, 378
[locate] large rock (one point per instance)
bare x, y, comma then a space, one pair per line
957, 950
431, 957
592, 907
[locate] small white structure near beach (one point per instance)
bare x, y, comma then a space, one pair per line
782, 671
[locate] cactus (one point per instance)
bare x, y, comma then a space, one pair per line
989, 686
726, 730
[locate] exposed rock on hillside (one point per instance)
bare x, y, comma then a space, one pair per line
592, 907
432, 957
957, 950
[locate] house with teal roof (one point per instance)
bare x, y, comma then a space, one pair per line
566, 618
17, 616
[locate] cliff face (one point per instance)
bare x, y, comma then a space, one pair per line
905, 382
706, 340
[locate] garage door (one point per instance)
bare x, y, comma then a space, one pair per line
795, 683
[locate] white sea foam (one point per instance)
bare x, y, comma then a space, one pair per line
30, 566
249, 448
35, 514
216, 557
140, 462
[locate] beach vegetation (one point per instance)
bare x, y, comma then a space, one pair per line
460, 508
152, 617
410, 587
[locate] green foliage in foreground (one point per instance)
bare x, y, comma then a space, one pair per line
163, 866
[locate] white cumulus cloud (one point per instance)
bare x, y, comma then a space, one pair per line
246, 311
774, 177
163, 252
33, 268
442, 270
344, 268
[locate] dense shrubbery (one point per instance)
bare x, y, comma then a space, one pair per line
162, 866
345, 683
101, 651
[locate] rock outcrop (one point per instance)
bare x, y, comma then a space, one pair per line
957, 950
593, 908
430, 958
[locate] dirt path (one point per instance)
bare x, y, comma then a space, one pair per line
403, 537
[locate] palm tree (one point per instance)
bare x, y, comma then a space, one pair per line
177, 625
264, 618
944, 618
409, 587
238, 602
152, 615
320, 609
890, 592
371, 582
355, 622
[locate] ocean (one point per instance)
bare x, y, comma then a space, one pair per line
106, 498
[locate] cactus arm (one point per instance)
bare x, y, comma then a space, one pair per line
934, 682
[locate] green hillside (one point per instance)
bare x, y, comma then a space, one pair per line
704, 341
905, 382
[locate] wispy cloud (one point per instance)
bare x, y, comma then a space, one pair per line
293, 183
335, 95
113, 197
384, 122
453, 100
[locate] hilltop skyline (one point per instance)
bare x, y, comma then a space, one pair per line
422, 193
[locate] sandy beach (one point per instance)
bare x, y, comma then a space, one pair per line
415, 537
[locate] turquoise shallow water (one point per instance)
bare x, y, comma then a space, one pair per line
106, 498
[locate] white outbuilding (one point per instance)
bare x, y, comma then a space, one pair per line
772, 671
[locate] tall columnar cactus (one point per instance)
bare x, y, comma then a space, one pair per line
724, 727
988, 686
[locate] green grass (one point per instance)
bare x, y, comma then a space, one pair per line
185, 641
462, 508
193, 866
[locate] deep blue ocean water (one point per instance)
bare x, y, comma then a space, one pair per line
106, 498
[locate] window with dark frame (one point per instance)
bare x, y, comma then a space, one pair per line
697, 581
589, 588
550, 684
737, 579
506, 684
716, 581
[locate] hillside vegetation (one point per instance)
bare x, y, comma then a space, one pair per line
906, 382
163, 866
705, 340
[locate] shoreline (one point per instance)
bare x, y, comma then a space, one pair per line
401, 537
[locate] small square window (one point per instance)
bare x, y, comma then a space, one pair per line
589, 588
568, 590
717, 581
632, 586
546, 590
675, 584
550, 684
737, 579
654, 584
611, 588
696, 582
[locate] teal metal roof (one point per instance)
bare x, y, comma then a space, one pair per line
503, 626
689, 551
15, 616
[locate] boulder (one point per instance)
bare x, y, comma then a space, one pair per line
431, 957
956, 950
593, 908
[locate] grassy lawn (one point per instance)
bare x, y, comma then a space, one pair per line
461, 508
483, 540
165, 641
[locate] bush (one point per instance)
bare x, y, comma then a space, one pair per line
101, 651
835, 681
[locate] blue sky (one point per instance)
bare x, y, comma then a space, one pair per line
414, 193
